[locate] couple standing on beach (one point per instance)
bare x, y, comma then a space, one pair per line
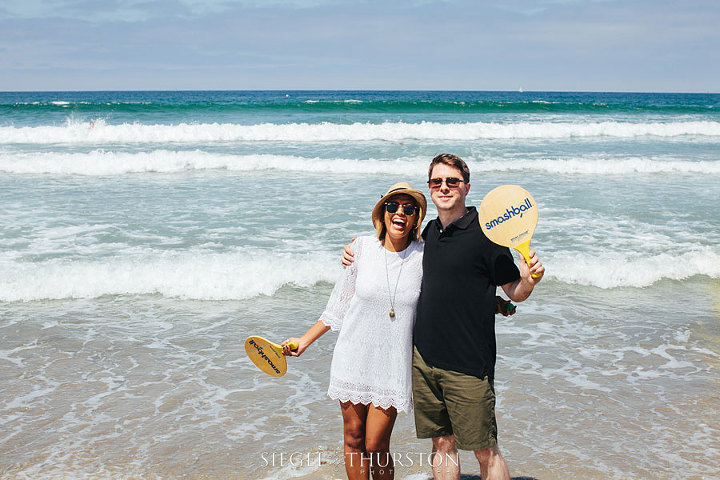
416, 315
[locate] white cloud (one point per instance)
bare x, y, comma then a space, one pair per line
142, 10
460, 44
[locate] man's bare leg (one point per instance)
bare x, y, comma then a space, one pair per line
492, 464
446, 464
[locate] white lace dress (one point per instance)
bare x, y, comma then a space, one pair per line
372, 361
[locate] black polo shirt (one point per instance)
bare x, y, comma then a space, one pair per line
455, 324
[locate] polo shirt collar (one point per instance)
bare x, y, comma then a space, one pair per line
463, 222
466, 220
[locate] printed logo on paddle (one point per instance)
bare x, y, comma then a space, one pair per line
511, 212
262, 355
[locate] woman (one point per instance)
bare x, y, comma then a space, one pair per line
373, 307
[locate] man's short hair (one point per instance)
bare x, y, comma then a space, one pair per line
452, 161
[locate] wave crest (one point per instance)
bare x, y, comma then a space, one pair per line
616, 270
247, 274
189, 275
184, 133
101, 162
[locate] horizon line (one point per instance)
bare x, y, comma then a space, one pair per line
366, 90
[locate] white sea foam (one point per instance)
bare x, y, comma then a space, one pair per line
100, 132
246, 274
601, 166
610, 270
101, 162
192, 274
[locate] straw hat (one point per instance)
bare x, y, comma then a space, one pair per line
378, 213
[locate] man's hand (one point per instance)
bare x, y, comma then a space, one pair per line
521, 288
504, 307
533, 273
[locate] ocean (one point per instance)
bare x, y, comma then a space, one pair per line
145, 235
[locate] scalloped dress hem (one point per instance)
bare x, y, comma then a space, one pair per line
366, 399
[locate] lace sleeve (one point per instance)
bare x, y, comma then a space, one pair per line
342, 294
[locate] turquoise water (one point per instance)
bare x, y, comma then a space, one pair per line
146, 234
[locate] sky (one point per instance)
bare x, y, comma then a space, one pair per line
541, 45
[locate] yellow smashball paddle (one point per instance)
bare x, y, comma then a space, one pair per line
267, 356
508, 216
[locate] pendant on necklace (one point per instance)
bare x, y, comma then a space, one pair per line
392, 313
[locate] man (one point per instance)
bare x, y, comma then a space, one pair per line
454, 333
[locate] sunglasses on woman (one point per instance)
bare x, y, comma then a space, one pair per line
392, 207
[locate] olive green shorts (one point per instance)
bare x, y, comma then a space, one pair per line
453, 403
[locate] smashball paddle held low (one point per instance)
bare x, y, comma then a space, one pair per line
267, 356
508, 216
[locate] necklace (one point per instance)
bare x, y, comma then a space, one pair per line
387, 276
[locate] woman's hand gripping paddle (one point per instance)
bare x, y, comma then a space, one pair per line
508, 216
267, 356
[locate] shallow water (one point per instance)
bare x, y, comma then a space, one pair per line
146, 235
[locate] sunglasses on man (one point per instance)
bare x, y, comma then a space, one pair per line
452, 182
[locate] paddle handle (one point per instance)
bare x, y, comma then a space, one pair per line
293, 345
524, 249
